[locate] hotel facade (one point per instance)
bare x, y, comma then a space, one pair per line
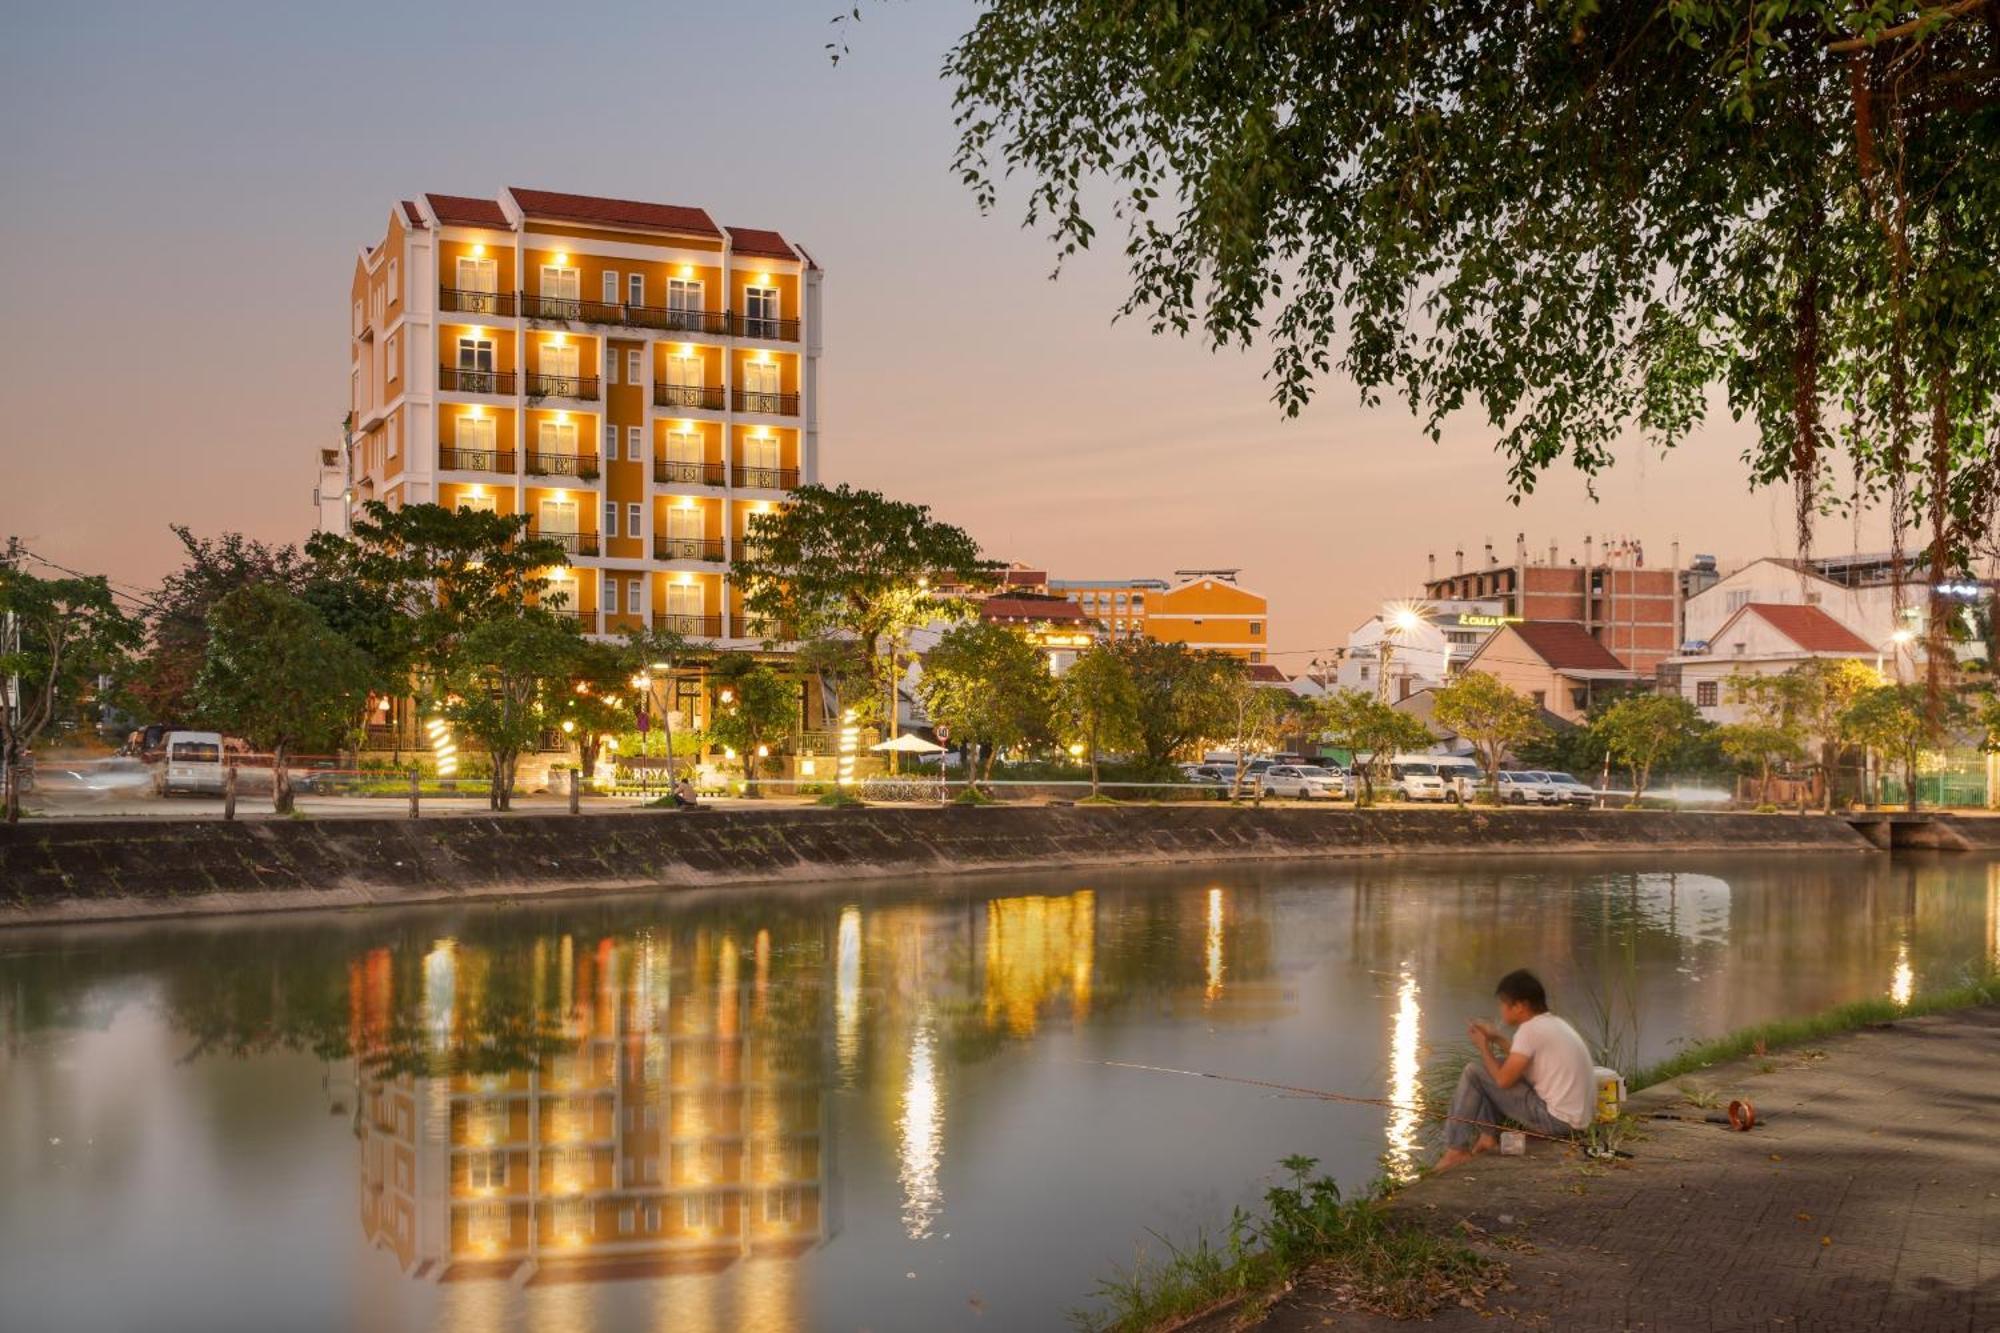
637, 379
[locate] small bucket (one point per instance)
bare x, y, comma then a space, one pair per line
1610, 1094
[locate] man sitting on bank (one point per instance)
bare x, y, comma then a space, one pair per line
1543, 1080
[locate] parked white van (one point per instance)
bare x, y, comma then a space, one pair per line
1462, 777
193, 763
1415, 777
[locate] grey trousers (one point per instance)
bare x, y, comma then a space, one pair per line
1480, 1102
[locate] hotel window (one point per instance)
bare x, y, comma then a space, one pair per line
625, 1221
557, 516
392, 282
488, 1224
559, 359
635, 289
389, 355
488, 1171
633, 372
611, 286
1706, 693
562, 290
635, 442
683, 294
683, 599
610, 442
634, 589
760, 309
475, 365
611, 518
781, 1205
574, 1219
478, 285
632, 520
760, 386
610, 364
701, 1210
610, 595
556, 437
478, 504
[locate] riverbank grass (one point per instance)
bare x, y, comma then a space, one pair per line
1775, 1036
1384, 1266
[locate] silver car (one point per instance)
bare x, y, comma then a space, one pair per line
1516, 787
1568, 791
1305, 781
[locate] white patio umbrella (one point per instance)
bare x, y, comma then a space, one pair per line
909, 743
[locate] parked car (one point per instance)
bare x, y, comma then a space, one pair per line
1522, 787
1305, 781
1462, 778
1569, 791
193, 763
1415, 779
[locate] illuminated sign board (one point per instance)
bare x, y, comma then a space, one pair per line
1489, 622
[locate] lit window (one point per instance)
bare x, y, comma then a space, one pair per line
488, 1170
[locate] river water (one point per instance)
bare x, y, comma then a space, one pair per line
880, 1108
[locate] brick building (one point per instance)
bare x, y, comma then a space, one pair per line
1632, 610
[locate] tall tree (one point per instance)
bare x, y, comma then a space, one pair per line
1899, 722
990, 686
1182, 697
277, 676
161, 682
1370, 730
503, 685
1641, 729
56, 637
1097, 705
1821, 691
754, 708
1255, 715
1494, 719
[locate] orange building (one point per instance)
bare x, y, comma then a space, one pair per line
1202, 608
637, 379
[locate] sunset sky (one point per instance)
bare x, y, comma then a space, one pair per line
186, 187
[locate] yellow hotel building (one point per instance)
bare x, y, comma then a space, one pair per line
1202, 608
635, 378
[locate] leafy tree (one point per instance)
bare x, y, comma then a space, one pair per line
1821, 692
1985, 709
601, 701
1761, 746
277, 676
1485, 712
1372, 731
1098, 705
1593, 212
754, 707
438, 573
504, 683
56, 637
1183, 696
657, 655
990, 686
1255, 715
161, 683
1901, 722
1641, 729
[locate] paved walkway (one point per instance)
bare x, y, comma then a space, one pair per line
1869, 1199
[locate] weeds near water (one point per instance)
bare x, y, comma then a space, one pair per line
1699, 1097
1379, 1264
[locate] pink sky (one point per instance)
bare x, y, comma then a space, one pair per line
185, 196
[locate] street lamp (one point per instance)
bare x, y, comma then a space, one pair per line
1399, 620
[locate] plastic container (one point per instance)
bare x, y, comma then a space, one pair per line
1513, 1143
1610, 1094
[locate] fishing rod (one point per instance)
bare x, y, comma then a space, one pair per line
1323, 1095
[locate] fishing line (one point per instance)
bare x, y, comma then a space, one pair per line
1348, 1098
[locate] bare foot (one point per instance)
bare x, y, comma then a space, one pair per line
1484, 1143
1452, 1157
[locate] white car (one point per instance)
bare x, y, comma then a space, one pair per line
1569, 791
1416, 780
1516, 787
1304, 781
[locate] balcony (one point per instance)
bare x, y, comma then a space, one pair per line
687, 474
582, 466
576, 543
476, 460
694, 627
459, 301
560, 309
706, 397
687, 548
582, 387
767, 478
674, 320
771, 404
462, 379
765, 327
585, 620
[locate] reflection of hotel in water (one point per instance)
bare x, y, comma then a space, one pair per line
678, 1127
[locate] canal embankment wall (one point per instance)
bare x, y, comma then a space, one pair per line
109, 869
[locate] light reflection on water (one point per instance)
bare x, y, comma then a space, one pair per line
767, 1110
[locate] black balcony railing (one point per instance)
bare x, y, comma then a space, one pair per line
764, 326
562, 386
475, 460
560, 308
695, 627
476, 303
712, 323
767, 478
464, 379
757, 400
704, 396
576, 543
585, 620
562, 465
687, 548
687, 474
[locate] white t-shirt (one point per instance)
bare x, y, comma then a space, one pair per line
1560, 1069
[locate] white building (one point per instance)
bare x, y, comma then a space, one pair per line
1861, 593
1426, 642
1761, 639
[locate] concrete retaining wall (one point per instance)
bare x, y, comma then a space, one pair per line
121, 868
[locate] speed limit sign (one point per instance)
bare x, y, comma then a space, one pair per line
943, 733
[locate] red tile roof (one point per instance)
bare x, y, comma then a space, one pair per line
614, 212
1566, 646
1267, 673
410, 213
756, 241
1032, 609
466, 210
1809, 627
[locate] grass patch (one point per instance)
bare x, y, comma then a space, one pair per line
839, 800
1383, 1266
1799, 1031
972, 796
